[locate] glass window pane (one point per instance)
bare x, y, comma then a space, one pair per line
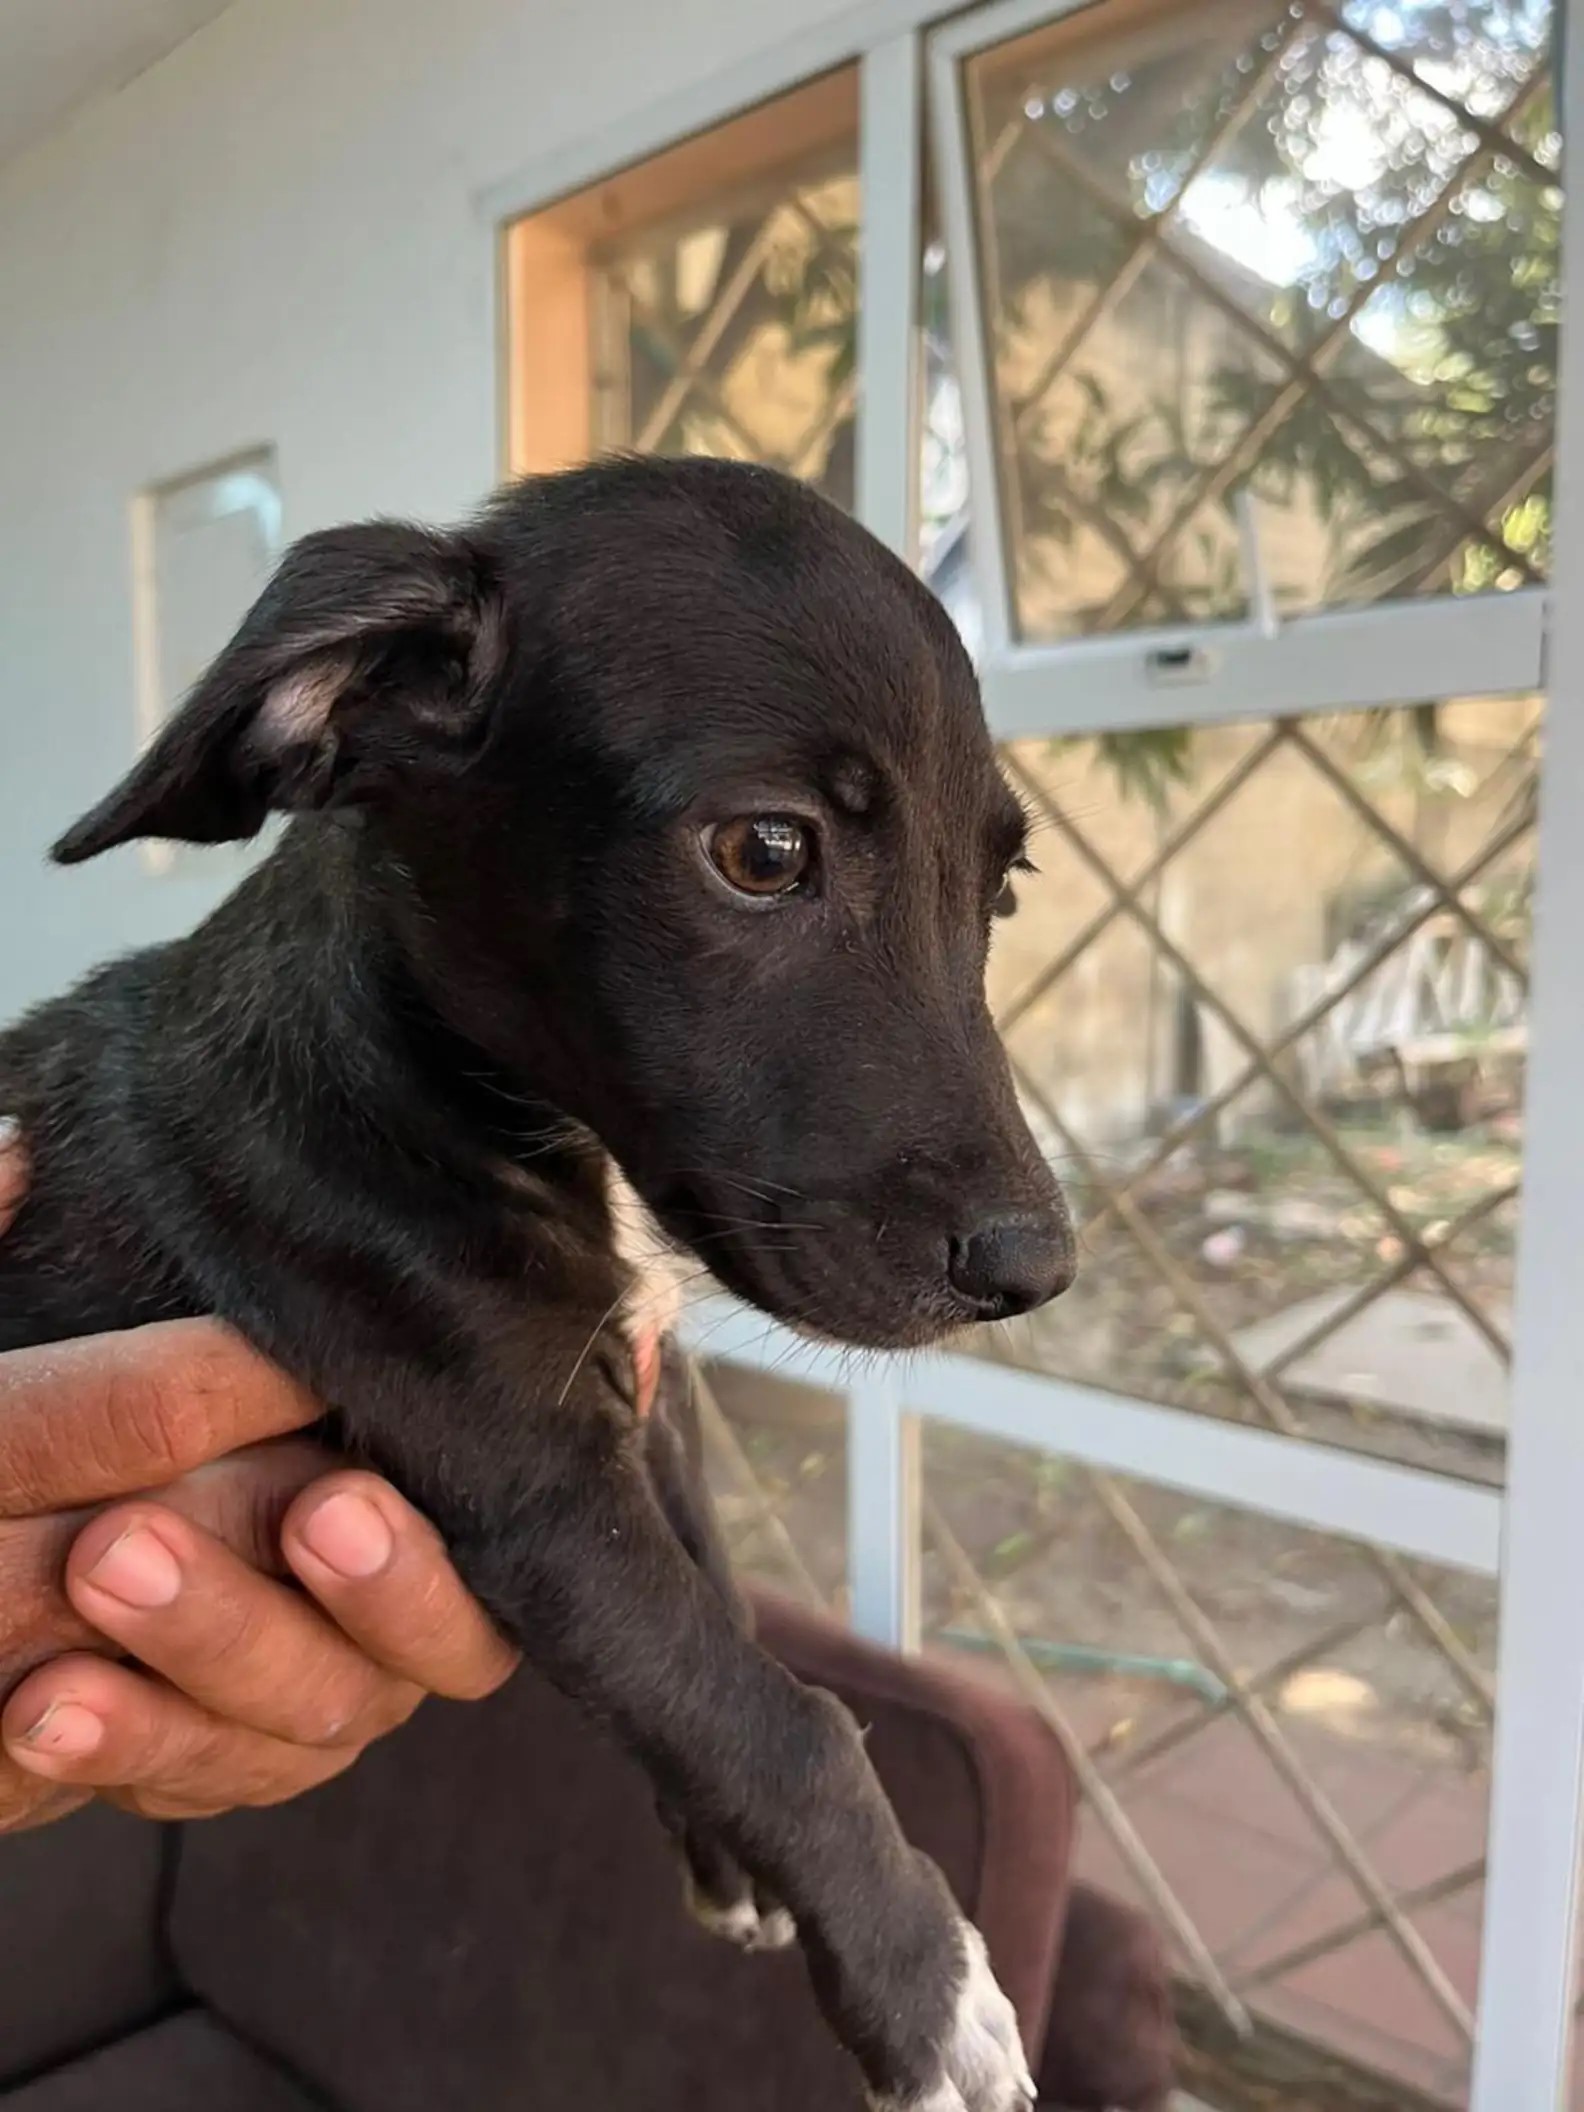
1262, 278
775, 1454
1266, 1002
703, 302
945, 555
213, 537
203, 548
1291, 1734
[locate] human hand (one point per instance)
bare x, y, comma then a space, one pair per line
241, 1689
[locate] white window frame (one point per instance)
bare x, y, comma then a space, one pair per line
1533, 1532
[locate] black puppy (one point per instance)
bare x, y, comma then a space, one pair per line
652, 819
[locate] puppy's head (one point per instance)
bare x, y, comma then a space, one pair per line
681, 799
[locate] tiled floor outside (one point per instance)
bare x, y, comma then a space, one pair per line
1242, 1856
1244, 1859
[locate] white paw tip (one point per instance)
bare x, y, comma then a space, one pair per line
735, 1923
982, 2055
742, 1923
777, 1930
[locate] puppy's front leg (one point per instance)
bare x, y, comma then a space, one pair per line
546, 1504
572, 1554
720, 1894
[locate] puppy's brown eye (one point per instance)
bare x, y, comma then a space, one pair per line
761, 854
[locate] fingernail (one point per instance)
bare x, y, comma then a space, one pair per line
65, 1728
349, 1535
10, 1132
138, 1569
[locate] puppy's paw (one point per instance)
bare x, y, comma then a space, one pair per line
744, 1922
982, 2060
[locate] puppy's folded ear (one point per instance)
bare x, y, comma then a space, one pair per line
372, 651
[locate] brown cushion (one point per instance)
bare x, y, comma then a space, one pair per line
484, 1912
1111, 2043
187, 2064
80, 1960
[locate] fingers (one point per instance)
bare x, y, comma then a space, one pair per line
381, 1572
240, 1500
251, 1693
260, 1693
13, 1170
85, 1724
243, 1498
26, 1802
112, 1414
239, 1645
260, 1696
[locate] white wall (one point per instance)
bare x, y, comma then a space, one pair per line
275, 235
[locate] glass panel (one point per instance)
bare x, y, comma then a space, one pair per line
215, 536
776, 1457
704, 302
943, 480
1291, 1734
1266, 1002
204, 546
1260, 277
945, 553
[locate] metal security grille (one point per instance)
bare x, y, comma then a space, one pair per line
733, 334
1330, 1089
1304, 264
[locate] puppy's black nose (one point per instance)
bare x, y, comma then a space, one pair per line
1011, 1264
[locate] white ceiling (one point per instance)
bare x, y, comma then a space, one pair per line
58, 54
